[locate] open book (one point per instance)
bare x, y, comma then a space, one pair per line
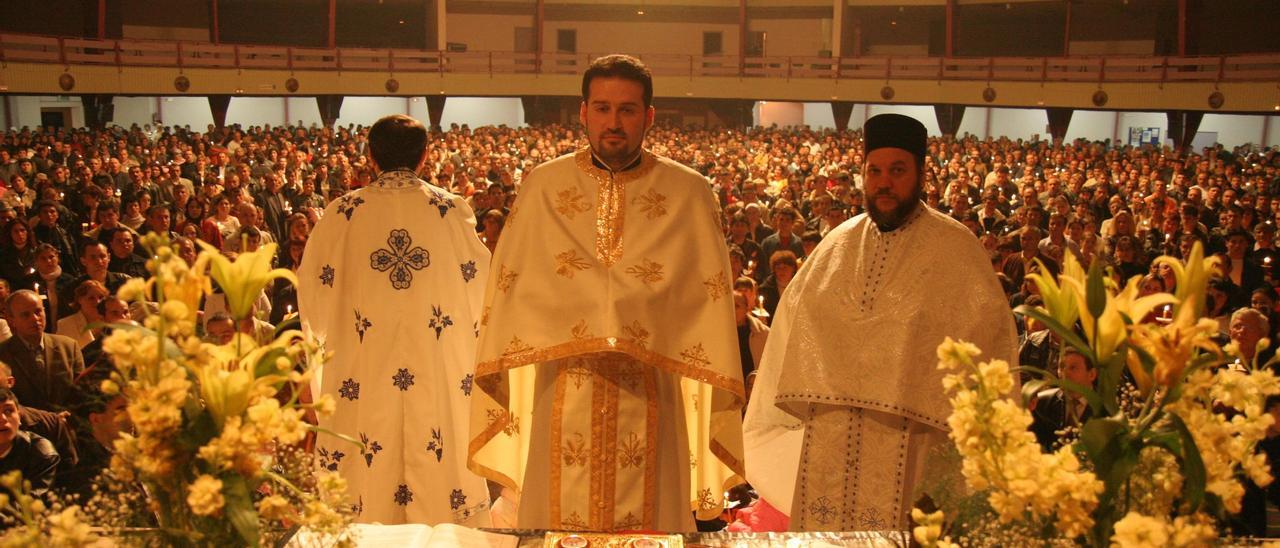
409, 535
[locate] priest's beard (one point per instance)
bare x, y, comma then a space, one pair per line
889, 220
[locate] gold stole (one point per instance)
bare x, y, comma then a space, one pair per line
604, 434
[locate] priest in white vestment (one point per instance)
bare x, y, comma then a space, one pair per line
609, 391
848, 401
393, 280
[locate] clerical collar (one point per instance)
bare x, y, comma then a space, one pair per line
634, 163
401, 177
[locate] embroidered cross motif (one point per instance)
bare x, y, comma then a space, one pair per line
516, 346
403, 379
326, 275
506, 278
370, 449
466, 384
468, 271
350, 390
717, 286
822, 510
439, 321
362, 325
647, 271
436, 445
580, 330
706, 500
403, 495
441, 201
569, 202
652, 204
696, 356
568, 263
637, 333
400, 259
457, 499
347, 205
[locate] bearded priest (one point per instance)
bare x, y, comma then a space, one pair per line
609, 392
848, 401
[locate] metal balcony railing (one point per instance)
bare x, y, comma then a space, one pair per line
149, 53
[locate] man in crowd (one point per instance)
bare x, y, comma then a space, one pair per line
609, 386
44, 365
394, 285
871, 303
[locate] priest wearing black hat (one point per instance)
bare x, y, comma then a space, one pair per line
839, 441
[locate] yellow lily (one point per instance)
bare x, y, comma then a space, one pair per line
1060, 299
1108, 330
243, 279
1193, 281
191, 286
1171, 346
226, 392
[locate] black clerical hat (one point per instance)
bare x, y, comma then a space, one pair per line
896, 131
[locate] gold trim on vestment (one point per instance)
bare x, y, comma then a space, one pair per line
633, 348
611, 201
557, 412
651, 449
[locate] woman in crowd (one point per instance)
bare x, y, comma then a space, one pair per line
85, 301
220, 227
17, 253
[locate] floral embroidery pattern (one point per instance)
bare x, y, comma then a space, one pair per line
403, 379
350, 390
822, 510
512, 426
326, 275
575, 451
717, 286
506, 278
330, 460
441, 201
581, 331
403, 495
362, 325
630, 521
370, 449
568, 263
631, 452
400, 259
647, 271
569, 202
652, 204
706, 500
436, 445
439, 321
347, 205
467, 382
468, 271
574, 522
457, 499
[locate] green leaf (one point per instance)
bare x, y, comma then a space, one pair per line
1031, 388
1096, 290
239, 508
1100, 438
1193, 470
267, 363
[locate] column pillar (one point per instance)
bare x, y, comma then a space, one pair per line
435, 110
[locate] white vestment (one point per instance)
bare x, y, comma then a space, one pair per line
609, 385
840, 439
393, 280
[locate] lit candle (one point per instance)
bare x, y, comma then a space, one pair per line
288, 309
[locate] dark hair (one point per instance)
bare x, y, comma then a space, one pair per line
7, 395
811, 236
397, 141
616, 66
783, 257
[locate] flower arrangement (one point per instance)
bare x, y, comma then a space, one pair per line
215, 445
1171, 436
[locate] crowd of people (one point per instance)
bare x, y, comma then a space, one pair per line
74, 204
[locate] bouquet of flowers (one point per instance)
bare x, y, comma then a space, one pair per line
215, 454
1172, 433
